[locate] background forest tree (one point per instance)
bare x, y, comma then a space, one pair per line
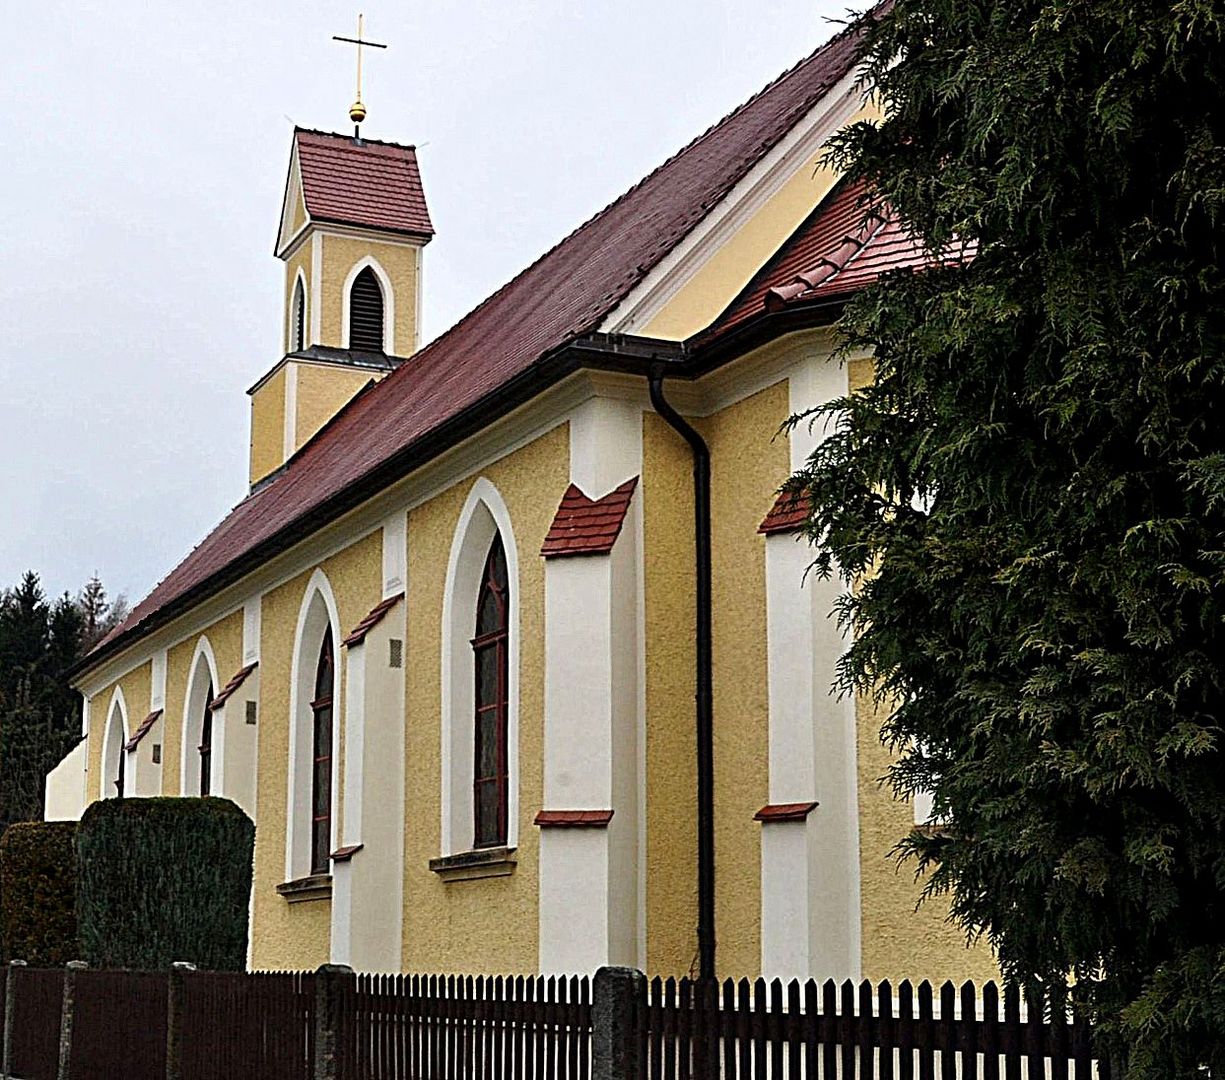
1030, 500
40, 714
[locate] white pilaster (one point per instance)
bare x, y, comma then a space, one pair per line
589, 889
810, 867
368, 883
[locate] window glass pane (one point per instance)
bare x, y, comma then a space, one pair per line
486, 675
487, 743
488, 830
323, 732
322, 788
320, 846
489, 617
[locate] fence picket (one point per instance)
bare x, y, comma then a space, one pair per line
867, 1033
795, 1032
1012, 1033
886, 1029
829, 1030
1035, 1031
948, 1031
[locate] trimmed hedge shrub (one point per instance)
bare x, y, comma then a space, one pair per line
161, 880
38, 919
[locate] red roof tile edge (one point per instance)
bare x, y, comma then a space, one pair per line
344, 854
788, 514
585, 526
573, 819
227, 691
792, 811
146, 726
376, 615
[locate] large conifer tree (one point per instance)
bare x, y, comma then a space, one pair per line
1031, 497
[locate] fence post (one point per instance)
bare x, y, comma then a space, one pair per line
174, 1019
615, 1038
331, 982
67, 1009
10, 1012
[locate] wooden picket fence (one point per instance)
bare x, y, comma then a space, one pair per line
333, 1024
821, 1031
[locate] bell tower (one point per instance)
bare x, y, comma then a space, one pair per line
353, 225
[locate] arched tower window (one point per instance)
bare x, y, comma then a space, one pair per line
366, 312
321, 776
206, 744
297, 315
490, 644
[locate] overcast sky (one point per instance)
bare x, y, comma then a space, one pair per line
144, 151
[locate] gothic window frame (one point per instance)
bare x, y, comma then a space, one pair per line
491, 704
483, 517
203, 683
204, 750
318, 616
298, 327
115, 779
323, 735
389, 306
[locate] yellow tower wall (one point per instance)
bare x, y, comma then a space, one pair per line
399, 261
323, 390
268, 427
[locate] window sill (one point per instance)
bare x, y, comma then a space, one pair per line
315, 887
478, 863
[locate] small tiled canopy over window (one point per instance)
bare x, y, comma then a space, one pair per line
206, 743
321, 779
297, 337
491, 773
366, 312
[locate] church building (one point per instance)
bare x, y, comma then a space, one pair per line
445, 652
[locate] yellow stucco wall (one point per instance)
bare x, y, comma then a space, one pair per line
225, 638
898, 940
268, 427
491, 924
136, 685
322, 392
671, 806
284, 935
340, 254
747, 465
720, 279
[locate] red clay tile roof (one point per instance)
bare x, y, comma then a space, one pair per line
573, 819
227, 691
344, 854
846, 244
788, 513
372, 620
795, 811
146, 726
564, 294
376, 185
584, 526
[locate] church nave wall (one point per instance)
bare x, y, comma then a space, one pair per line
488, 924
296, 935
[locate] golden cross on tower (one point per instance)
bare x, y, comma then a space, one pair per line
357, 111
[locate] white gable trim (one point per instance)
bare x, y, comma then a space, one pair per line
795, 151
285, 240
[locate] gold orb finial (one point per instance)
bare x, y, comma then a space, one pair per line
357, 112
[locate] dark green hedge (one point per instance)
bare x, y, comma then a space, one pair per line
161, 880
38, 920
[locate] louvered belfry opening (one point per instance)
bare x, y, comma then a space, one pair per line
366, 313
298, 343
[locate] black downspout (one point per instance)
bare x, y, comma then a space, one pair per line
705, 685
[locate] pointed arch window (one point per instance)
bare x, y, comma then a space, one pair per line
490, 774
321, 778
206, 744
297, 332
366, 312
119, 778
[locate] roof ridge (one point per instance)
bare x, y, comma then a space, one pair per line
850, 28
298, 128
